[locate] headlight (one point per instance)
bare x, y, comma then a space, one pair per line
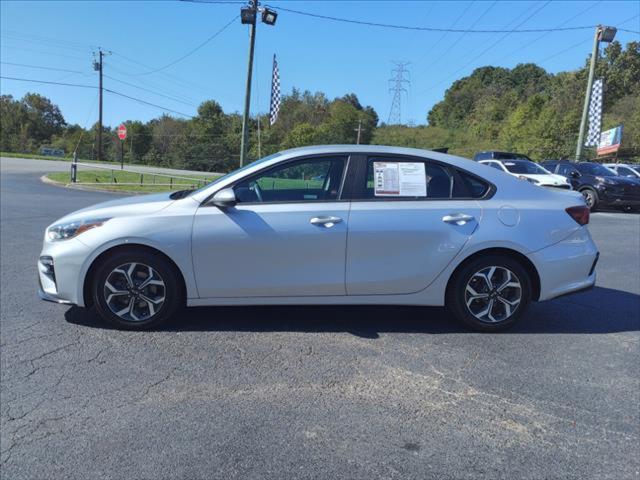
530, 180
64, 231
607, 180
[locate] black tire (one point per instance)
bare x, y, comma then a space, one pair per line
591, 198
456, 298
172, 294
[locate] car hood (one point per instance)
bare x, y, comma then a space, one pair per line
129, 206
624, 180
547, 179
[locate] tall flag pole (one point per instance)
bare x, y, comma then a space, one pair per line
595, 114
274, 107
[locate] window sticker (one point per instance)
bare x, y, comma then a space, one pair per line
399, 179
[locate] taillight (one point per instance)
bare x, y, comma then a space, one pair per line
580, 214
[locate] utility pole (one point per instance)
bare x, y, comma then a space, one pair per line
397, 87
98, 66
602, 34
244, 142
249, 15
359, 130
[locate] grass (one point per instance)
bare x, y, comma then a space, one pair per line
138, 183
40, 157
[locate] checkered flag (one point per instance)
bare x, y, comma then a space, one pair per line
595, 114
274, 108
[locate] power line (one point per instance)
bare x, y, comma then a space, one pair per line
41, 67
48, 82
172, 78
442, 37
529, 43
148, 103
194, 50
43, 53
475, 57
49, 40
161, 88
581, 42
443, 54
150, 91
428, 29
31, 80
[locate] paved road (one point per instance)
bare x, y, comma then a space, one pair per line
315, 392
22, 165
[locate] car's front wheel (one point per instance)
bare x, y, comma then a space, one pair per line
489, 293
136, 290
590, 198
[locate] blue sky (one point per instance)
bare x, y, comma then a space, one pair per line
313, 54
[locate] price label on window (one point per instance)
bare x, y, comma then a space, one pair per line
399, 179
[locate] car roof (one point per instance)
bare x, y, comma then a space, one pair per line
284, 155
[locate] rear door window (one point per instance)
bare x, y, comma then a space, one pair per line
418, 179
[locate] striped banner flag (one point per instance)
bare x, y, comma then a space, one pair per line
595, 114
274, 108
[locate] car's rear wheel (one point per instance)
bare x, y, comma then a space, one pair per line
489, 293
590, 198
136, 290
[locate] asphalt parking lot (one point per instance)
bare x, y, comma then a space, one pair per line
314, 392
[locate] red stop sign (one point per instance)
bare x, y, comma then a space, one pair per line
122, 131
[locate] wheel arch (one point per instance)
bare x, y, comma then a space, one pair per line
521, 258
89, 276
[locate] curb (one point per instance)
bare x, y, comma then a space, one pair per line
85, 188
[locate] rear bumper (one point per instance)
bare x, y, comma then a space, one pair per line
567, 266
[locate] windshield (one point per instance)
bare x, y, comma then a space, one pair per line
595, 169
524, 166
252, 164
636, 168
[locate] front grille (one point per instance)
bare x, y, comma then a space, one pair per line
564, 187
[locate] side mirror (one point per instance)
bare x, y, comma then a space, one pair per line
575, 174
225, 198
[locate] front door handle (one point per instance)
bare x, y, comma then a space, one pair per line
326, 222
457, 218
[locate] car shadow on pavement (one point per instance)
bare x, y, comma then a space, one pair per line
602, 310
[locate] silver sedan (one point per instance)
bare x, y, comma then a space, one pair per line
327, 225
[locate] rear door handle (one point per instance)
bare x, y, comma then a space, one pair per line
457, 218
326, 222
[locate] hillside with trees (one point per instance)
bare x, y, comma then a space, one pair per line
524, 109
528, 110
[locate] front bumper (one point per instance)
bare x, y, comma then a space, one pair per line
617, 196
48, 297
567, 266
59, 271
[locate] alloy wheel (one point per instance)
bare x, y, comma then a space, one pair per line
134, 292
589, 198
493, 294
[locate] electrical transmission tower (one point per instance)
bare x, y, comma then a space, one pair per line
397, 86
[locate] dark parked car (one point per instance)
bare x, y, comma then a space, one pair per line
600, 186
495, 155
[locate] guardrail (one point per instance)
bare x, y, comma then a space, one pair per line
182, 181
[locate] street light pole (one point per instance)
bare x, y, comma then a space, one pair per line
602, 34
244, 142
587, 96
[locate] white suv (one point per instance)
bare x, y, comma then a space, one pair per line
529, 171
